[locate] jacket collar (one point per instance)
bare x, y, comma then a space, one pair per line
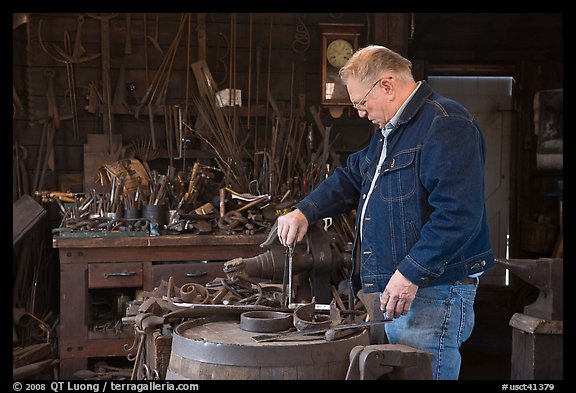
414, 105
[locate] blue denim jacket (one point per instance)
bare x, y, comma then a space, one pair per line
426, 216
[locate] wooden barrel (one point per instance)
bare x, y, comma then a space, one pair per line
221, 350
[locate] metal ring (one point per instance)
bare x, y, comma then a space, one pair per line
265, 321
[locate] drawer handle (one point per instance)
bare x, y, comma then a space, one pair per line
196, 273
120, 274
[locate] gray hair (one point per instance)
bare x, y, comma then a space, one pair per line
369, 63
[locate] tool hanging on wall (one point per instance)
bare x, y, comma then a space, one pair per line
30, 104
232, 78
20, 173
268, 76
76, 55
71, 55
146, 73
154, 40
106, 84
156, 93
258, 63
119, 99
128, 40
187, 95
249, 72
45, 158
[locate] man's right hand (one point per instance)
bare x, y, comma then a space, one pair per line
292, 227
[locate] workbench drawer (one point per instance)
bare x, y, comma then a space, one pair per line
187, 272
115, 275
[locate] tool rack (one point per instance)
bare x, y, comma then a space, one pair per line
135, 262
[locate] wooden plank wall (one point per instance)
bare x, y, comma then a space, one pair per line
288, 46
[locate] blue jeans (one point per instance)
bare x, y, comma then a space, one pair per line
440, 319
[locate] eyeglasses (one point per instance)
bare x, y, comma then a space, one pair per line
360, 106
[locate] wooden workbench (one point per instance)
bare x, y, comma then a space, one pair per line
137, 262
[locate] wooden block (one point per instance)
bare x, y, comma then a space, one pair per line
158, 350
536, 356
533, 325
26, 213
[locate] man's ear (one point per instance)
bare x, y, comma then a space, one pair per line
387, 85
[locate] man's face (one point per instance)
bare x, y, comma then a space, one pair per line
367, 100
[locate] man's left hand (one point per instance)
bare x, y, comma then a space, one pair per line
397, 296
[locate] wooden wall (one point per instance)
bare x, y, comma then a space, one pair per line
276, 52
282, 57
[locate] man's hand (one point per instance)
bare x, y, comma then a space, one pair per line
292, 227
397, 296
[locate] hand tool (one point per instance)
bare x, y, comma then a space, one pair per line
70, 55
105, 52
290, 252
287, 282
154, 40
294, 334
51, 98
144, 21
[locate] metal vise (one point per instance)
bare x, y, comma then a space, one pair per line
389, 361
546, 274
318, 256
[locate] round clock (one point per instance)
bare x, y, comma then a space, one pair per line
338, 52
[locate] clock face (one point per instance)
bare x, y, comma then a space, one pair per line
338, 52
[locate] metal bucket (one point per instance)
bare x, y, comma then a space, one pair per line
132, 213
156, 214
221, 350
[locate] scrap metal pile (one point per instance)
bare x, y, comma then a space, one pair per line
296, 293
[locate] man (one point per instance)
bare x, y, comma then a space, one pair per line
422, 236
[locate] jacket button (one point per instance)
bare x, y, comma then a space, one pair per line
425, 279
363, 196
483, 263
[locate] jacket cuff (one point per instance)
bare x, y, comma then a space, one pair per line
308, 208
410, 269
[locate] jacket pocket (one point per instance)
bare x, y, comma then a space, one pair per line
398, 179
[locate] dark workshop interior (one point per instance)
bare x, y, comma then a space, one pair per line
153, 153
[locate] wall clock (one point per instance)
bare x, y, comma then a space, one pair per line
339, 42
338, 52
